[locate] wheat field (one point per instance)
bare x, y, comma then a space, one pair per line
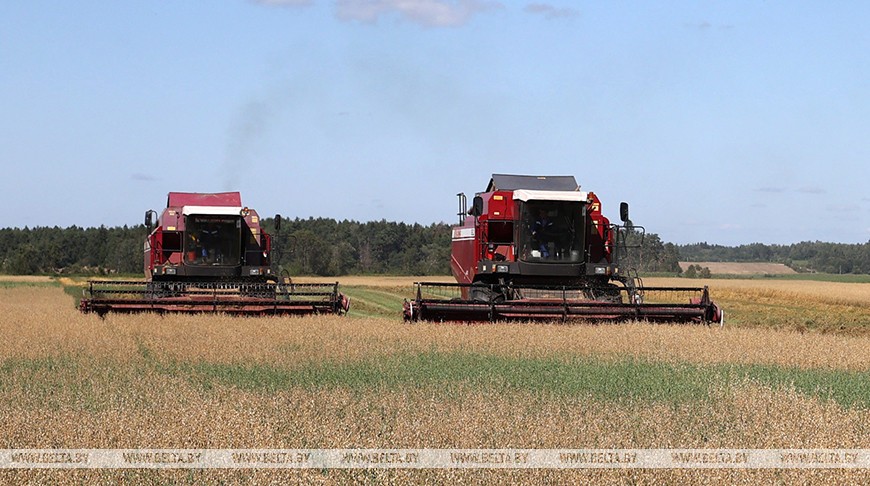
144, 381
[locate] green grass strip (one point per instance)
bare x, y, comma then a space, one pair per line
374, 302
618, 381
11, 284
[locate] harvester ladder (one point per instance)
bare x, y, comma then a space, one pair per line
635, 285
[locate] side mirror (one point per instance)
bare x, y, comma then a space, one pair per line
477, 206
623, 212
149, 222
277, 223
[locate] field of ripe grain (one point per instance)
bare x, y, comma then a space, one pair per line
742, 268
794, 305
142, 381
25, 279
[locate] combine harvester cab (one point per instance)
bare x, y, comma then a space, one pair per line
539, 248
208, 253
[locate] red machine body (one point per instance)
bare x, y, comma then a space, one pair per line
206, 237
538, 247
500, 240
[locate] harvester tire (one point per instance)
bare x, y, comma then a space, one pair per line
485, 294
608, 293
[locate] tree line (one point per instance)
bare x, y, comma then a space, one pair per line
314, 246
324, 246
646, 252
327, 247
45, 250
807, 256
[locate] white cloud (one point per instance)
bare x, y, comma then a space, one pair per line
551, 12
429, 13
704, 25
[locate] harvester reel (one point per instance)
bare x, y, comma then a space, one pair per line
231, 297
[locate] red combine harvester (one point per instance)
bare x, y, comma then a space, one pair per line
208, 253
539, 248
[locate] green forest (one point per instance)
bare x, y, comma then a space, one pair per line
327, 247
314, 246
821, 257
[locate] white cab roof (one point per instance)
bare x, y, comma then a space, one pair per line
530, 195
212, 210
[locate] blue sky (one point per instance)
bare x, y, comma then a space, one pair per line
727, 122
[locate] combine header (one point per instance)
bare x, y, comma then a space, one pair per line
539, 248
208, 253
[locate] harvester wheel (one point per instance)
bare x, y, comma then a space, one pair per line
484, 293
607, 293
